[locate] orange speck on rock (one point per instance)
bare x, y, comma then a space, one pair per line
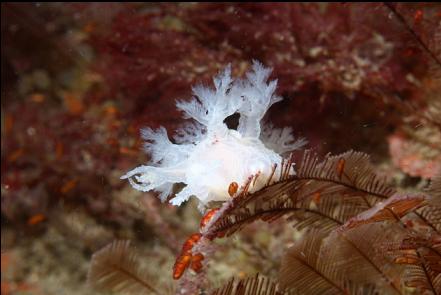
73, 104
38, 97
418, 16
68, 186
132, 129
89, 27
15, 155
111, 111
9, 123
59, 150
112, 142
127, 151
5, 261
36, 219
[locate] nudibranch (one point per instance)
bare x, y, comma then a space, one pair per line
207, 156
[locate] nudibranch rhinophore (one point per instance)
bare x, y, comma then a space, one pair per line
206, 155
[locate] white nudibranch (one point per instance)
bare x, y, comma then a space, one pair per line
207, 156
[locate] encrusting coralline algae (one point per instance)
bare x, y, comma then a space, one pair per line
208, 156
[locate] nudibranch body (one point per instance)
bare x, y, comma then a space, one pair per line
207, 156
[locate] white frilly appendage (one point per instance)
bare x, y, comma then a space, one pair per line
208, 155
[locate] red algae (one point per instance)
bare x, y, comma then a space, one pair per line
80, 80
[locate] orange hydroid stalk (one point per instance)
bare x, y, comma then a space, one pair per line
207, 217
186, 257
181, 264
190, 242
232, 188
196, 262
